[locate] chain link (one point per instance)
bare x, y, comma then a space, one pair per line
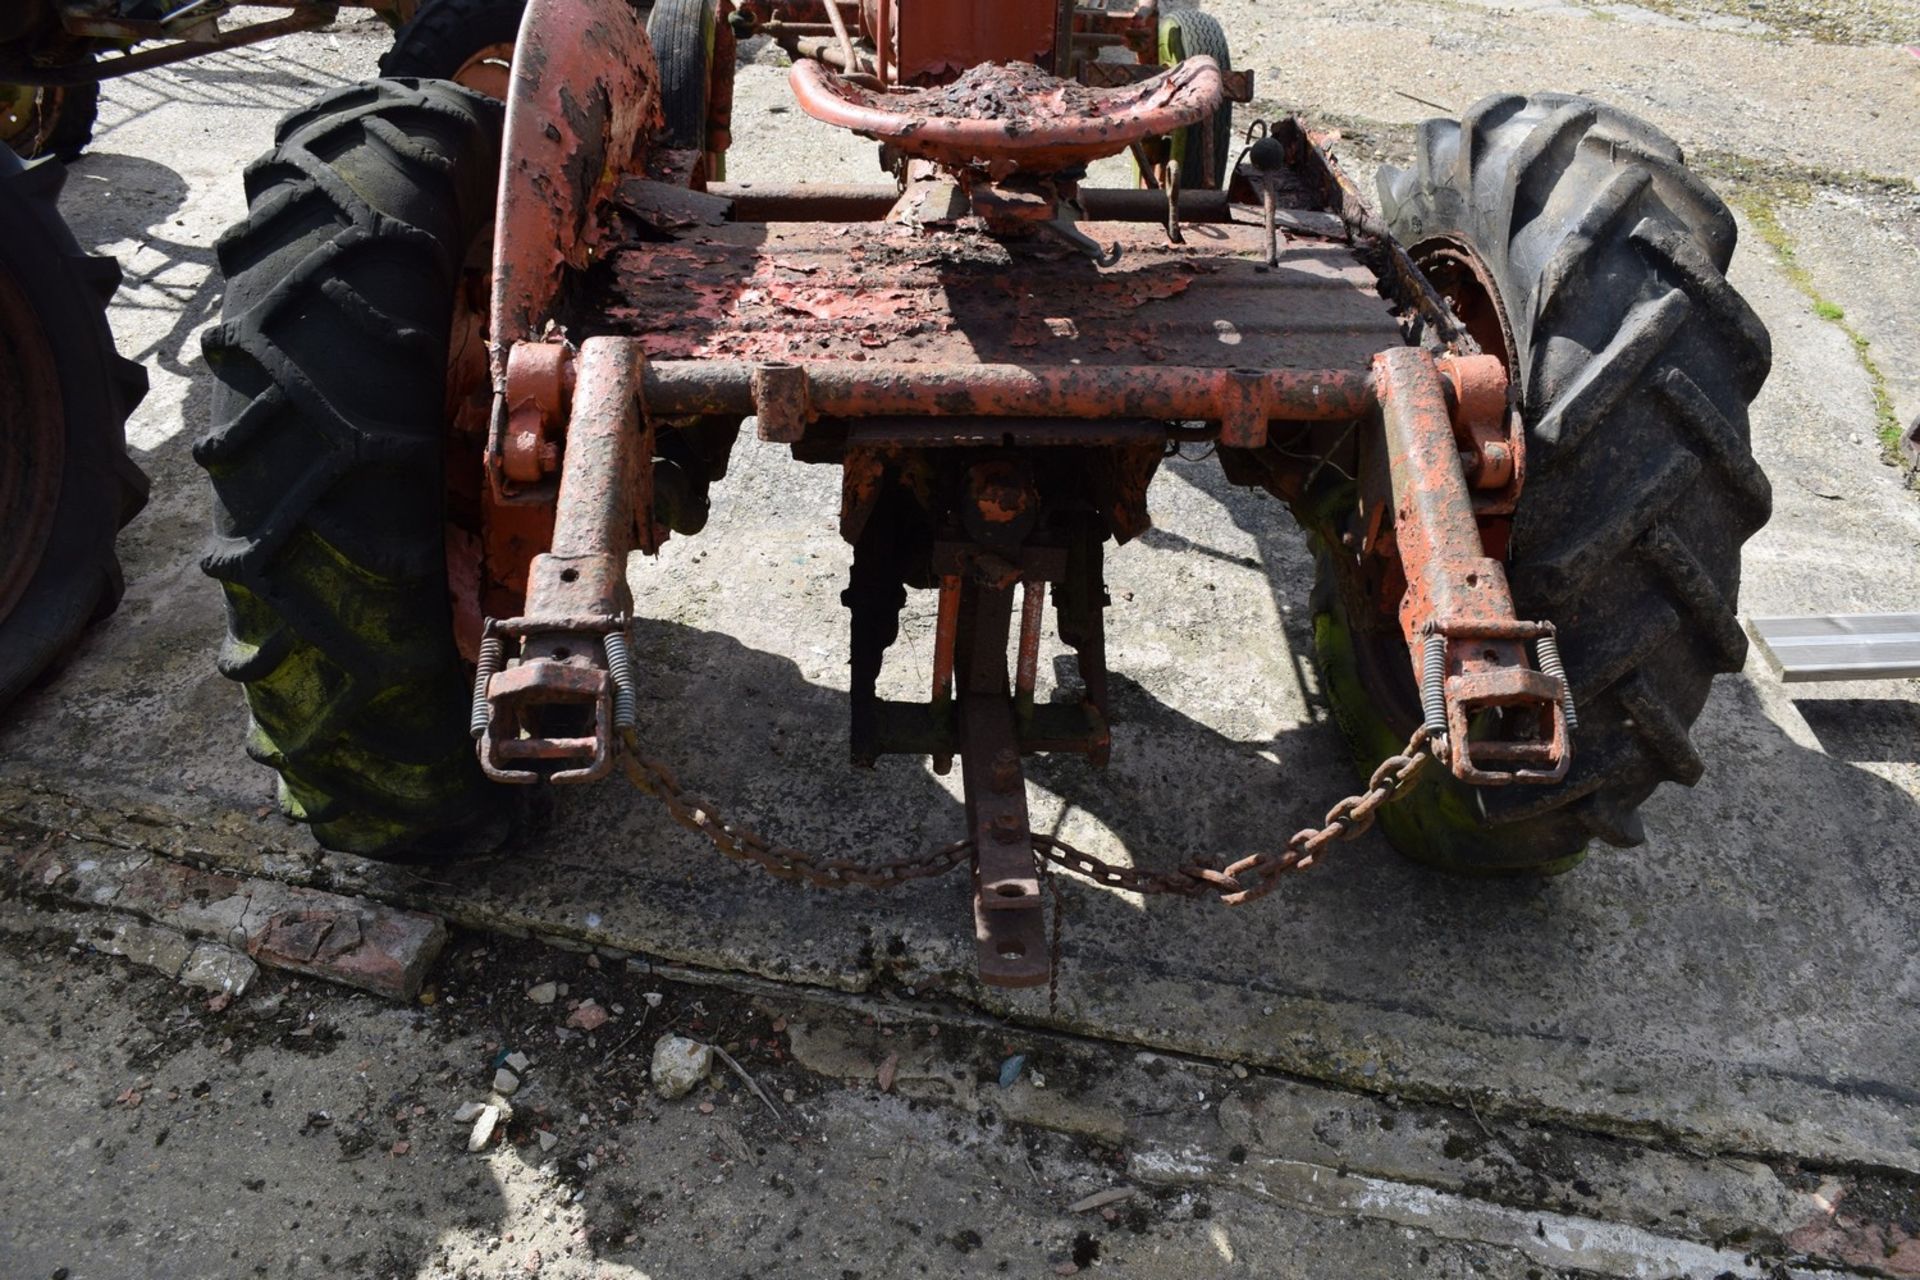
743, 844
1256, 875
1253, 876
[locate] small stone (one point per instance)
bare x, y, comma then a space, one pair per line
518, 1063
1239, 1072
219, 969
401, 1147
653, 999
483, 1128
788, 1096
505, 1082
706, 1108
467, 1111
588, 1017
544, 992
547, 1140
679, 1064
1100, 1199
888, 1069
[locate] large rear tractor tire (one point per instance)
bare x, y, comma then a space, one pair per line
66, 483
1572, 238
467, 41
327, 457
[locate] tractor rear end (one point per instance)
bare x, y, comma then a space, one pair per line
998, 356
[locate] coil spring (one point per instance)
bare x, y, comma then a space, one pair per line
1433, 684
1547, 653
491, 652
626, 709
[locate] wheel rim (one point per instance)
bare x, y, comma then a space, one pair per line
468, 411
32, 441
488, 543
1460, 275
27, 113
488, 71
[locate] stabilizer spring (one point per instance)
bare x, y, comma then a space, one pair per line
626, 707
1433, 684
491, 652
1547, 654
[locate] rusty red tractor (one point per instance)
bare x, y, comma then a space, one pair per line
473, 358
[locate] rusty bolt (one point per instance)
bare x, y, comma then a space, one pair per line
1008, 829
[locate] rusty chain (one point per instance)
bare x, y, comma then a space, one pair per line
743, 844
1251, 877
1349, 818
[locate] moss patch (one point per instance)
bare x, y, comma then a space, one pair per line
1850, 22
1762, 210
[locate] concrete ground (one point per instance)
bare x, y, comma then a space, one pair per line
1694, 1058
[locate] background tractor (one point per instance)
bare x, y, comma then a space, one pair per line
55, 53
474, 355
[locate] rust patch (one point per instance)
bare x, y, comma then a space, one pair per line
583, 102
871, 290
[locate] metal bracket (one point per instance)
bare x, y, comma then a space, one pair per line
1458, 592
577, 595
1008, 917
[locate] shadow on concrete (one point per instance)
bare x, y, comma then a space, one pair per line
113, 201
1864, 730
272, 79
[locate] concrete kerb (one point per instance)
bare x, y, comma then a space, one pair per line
1696, 1106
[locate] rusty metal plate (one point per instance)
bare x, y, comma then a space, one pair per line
875, 291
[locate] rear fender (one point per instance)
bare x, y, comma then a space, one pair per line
582, 110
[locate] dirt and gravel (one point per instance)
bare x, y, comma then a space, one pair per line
1691, 1059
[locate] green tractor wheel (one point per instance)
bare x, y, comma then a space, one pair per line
39, 120
1204, 150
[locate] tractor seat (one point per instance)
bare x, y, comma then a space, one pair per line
1013, 117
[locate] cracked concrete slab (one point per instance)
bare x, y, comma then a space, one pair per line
1135, 1163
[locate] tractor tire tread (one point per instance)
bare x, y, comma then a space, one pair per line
679, 32
328, 363
1202, 34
